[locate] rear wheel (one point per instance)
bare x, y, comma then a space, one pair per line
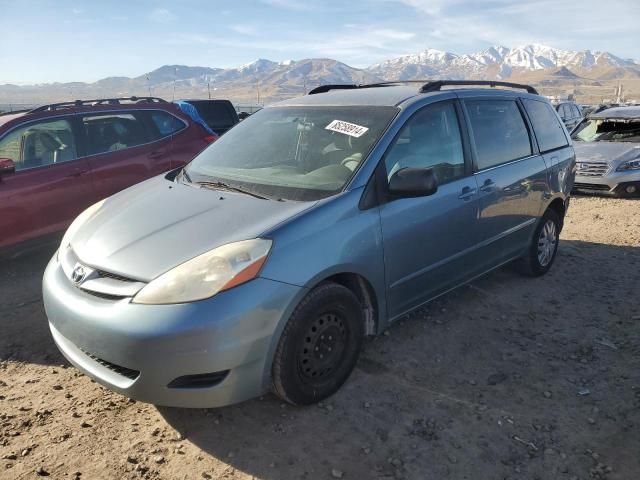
319, 345
544, 245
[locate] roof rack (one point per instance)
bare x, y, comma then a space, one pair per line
96, 101
436, 85
427, 85
349, 86
11, 112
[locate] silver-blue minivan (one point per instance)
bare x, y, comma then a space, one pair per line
319, 220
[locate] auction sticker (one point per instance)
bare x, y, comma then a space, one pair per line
347, 128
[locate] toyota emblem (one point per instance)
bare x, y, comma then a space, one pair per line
78, 274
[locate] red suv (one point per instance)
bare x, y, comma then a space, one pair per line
58, 159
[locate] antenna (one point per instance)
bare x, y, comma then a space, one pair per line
175, 77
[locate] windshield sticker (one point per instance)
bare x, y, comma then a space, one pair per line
347, 128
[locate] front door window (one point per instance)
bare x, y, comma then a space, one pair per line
39, 144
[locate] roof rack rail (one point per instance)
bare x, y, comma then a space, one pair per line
436, 85
349, 86
11, 112
326, 88
427, 85
97, 101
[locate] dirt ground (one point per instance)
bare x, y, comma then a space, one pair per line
507, 378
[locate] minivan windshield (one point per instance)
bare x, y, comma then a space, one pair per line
608, 130
293, 153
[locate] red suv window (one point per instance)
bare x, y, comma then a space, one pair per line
113, 131
38, 144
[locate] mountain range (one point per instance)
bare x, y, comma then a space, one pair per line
556, 71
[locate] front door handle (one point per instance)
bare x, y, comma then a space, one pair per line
488, 185
467, 193
156, 154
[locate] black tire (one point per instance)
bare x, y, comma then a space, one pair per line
531, 263
319, 345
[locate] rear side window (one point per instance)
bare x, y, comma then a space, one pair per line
215, 114
499, 132
39, 144
547, 126
112, 132
166, 123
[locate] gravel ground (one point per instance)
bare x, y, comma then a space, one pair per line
507, 378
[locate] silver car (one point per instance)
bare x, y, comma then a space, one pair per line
265, 262
607, 146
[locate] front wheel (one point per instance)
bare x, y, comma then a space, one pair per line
542, 252
319, 346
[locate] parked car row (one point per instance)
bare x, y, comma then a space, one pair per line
218, 279
58, 159
265, 261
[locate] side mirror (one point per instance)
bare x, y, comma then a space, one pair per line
413, 182
7, 166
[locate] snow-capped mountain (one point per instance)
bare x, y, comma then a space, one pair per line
269, 80
494, 62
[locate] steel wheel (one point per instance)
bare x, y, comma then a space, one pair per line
323, 347
319, 345
547, 243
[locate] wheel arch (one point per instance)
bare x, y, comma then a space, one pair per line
558, 206
363, 289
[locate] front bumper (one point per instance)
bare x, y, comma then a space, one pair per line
612, 183
138, 350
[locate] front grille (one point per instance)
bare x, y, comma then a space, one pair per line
124, 371
99, 283
592, 169
104, 296
591, 186
103, 274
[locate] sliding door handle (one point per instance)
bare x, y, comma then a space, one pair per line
488, 185
467, 193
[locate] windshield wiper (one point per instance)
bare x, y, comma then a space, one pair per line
186, 176
225, 186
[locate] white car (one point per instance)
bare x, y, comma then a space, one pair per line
607, 146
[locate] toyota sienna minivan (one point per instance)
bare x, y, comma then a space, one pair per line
264, 263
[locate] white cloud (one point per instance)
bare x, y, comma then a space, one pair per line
161, 15
244, 30
466, 24
296, 5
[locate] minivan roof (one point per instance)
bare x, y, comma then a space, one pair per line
387, 96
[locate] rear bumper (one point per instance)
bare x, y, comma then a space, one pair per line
138, 350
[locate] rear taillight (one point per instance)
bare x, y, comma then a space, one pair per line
210, 138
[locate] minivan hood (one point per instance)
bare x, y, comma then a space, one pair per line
156, 225
609, 152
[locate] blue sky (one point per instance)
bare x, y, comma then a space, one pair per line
73, 40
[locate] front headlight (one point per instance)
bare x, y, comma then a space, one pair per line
207, 274
630, 165
78, 222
